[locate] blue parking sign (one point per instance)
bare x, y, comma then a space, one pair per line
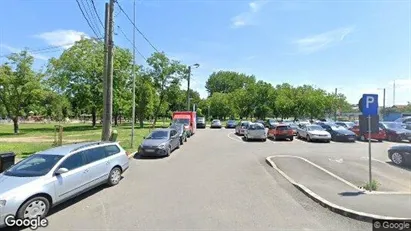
369, 104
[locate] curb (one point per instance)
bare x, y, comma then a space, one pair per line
367, 217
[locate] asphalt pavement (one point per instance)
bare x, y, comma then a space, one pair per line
341, 193
214, 182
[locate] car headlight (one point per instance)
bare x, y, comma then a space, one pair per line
162, 146
2, 203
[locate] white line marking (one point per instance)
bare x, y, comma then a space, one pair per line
324, 170
380, 161
331, 174
238, 138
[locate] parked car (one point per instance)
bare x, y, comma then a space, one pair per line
313, 132
255, 131
47, 178
270, 122
182, 132
201, 122
347, 125
241, 127
216, 124
380, 136
280, 131
231, 124
400, 155
294, 126
260, 122
160, 142
338, 133
395, 131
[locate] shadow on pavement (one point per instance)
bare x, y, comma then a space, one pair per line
243, 138
140, 157
408, 168
350, 194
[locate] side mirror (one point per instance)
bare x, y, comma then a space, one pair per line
61, 171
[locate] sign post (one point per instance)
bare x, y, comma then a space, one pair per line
368, 105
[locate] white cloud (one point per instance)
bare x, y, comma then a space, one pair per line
63, 38
17, 50
248, 17
322, 41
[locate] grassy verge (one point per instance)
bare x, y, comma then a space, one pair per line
37, 137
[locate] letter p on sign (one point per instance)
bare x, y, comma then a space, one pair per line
370, 104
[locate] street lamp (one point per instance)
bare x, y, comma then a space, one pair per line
196, 65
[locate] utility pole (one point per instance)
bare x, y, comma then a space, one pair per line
188, 88
134, 77
393, 94
335, 112
383, 103
108, 86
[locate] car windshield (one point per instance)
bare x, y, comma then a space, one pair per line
33, 166
231, 122
256, 127
177, 127
216, 121
283, 128
182, 121
200, 119
158, 135
394, 125
244, 124
337, 128
315, 128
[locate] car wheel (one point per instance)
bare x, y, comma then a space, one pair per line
185, 139
291, 138
181, 141
265, 139
380, 141
397, 158
328, 141
114, 176
308, 138
362, 138
34, 207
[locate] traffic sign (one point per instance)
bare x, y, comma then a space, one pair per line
369, 104
364, 124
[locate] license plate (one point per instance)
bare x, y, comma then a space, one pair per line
351, 138
149, 150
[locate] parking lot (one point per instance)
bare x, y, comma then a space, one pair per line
218, 181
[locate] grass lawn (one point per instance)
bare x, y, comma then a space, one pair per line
37, 137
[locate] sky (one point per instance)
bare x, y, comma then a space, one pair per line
358, 47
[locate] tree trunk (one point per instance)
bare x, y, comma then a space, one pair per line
157, 110
16, 124
115, 119
141, 120
94, 117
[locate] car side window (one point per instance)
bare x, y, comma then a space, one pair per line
95, 154
111, 150
173, 133
73, 162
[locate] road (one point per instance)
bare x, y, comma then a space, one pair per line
214, 182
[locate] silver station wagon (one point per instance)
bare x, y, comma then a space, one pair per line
31, 187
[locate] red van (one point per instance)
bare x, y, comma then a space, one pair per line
188, 118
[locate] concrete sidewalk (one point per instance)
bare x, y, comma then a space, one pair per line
340, 196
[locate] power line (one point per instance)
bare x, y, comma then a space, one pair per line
131, 42
138, 30
88, 22
98, 16
91, 16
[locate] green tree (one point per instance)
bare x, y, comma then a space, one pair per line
227, 81
221, 105
164, 72
145, 97
20, 86
262, 98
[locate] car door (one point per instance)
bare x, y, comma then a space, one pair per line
174, 139
98, 165
75, 180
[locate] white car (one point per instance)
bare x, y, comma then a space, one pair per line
255, 131
313, 132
